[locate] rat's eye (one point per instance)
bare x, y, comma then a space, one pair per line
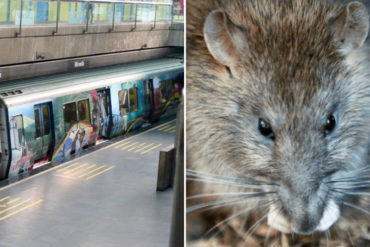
330, 124
265, 129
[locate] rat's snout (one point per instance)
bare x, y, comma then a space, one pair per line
303, 197
304, 204
301, 210
302, 213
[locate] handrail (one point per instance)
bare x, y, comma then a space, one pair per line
123, 2
113, 1
112, 14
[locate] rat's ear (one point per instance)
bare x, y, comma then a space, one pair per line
225, 41
350, 27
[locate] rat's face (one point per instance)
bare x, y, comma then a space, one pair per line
310, 144
297, 115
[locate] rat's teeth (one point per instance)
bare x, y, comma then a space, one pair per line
278, 221
330, 216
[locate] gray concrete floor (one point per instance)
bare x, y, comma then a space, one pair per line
105, 198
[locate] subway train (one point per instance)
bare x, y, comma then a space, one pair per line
51, 118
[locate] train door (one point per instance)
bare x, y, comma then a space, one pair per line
4, 142
157, 99
129, 106
44, 129
19, 148
105, 112
148, 97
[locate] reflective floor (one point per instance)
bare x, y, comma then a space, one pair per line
105, 198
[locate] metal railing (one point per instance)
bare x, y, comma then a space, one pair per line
21, 13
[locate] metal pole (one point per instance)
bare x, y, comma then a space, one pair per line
20, 21
171, 15
8, 12
114, 14
132, 29
58, 13
177, 222
87, 18
155, 18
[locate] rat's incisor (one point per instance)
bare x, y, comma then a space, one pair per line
278, 112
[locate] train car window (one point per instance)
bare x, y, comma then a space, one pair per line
70, 115
46, 118
123, 102
18, 121
37, 123
83, 110
164, 91
133, 99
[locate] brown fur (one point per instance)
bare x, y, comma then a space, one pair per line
292, 72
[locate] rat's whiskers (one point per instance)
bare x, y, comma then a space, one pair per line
356, 207
236, 215
241, 198
229, 194
244, 180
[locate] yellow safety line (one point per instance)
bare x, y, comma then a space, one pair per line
121, 145
82, 170
88, 178
142, 144
16, 205
14, 200
170, 128
64, 168
81, 176
124, 140
76, 168
4, 198
151, 148
144, 147
61, 166
133, 144
173, 131
20, 210
164, 127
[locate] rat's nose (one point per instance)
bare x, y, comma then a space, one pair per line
317, 221
304, 215
304, 223
301, 225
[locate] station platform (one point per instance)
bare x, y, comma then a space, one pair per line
104, 198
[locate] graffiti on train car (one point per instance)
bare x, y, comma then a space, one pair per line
58, 129
67, 123
80, 135
167, 100
22, 135
127, 105
83, 128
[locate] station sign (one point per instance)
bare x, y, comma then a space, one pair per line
78, 64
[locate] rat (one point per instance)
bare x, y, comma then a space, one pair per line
277, 115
